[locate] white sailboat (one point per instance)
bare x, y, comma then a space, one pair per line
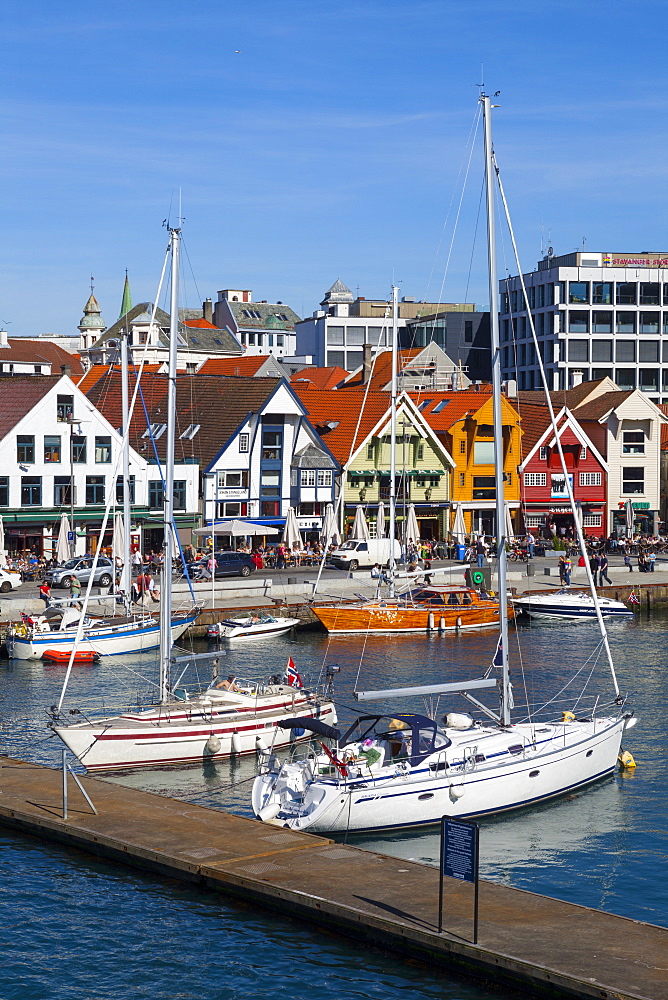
227, 718
407, 770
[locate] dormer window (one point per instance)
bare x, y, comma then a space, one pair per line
189, 432
64, 407
155, 431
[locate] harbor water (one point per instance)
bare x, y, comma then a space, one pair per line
77, 927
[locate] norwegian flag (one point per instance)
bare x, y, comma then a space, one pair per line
26, 619
633, 598
292, 675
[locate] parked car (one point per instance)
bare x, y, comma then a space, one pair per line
81, 568
9, 581
228, 564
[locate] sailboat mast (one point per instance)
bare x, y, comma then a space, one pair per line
498, 425
126, 576
168, 535
393, 436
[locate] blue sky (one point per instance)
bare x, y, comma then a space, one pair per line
330, 145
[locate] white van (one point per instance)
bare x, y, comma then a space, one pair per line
359, 553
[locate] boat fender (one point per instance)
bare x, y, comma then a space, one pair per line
458, 720
430, 621
626, 761
260, 745
235, 745
456, 792
567, 717
269, 812
459, 622
212, 745
441, 624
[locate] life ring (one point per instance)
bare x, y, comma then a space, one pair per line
339, 765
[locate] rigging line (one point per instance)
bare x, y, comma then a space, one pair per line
475, 236
476, 123
469, 141
568, 683
557, 436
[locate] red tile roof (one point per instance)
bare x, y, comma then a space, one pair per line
200, 323
343, 410
34, 351
19, 394
382, 369
216, 403
233, 366
320, 378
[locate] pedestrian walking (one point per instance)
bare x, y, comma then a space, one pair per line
75, 592
603, 569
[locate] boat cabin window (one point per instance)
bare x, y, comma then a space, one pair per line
453, 599
466, 598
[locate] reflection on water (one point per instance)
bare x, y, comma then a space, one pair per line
604, 847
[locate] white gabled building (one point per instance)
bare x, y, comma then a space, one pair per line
272, 459
52, 437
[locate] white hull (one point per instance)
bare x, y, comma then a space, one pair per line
231, 629
571, 606
107, 641
187, 732
557, 760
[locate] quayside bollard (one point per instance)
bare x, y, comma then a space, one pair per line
66, 768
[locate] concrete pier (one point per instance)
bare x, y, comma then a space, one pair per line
526, 940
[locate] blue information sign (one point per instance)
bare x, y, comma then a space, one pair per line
70, 536
459, 858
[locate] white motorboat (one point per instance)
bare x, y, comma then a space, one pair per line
407, 770
216, 724
59, 630
572, 605
258, 625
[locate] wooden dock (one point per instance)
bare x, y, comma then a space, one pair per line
527, 941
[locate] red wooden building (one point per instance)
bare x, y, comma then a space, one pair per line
544, 492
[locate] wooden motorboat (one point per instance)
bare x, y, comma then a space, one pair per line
430, 608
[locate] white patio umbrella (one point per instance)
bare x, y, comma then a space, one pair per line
118, 539
3, 557
380, 521
412, 529
459, 528
236, 528
63, 546
509, 523
630, 518
329, 534
360, 527
291, 534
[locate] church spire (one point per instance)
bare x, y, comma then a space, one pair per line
126, 304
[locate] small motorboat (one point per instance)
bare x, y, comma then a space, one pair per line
62, 656
256, 625
573, 605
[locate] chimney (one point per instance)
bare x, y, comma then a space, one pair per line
367, 352
576, 379
66, 370
207, 310
511, 388
3, 339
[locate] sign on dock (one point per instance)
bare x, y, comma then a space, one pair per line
459, 859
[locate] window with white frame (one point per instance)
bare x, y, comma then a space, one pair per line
633, 443
583, 451
535, 479
244, 442
534, 520
543, 453
233, 479
591, 520
633, 479
308, 477
324, 477
590, 479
